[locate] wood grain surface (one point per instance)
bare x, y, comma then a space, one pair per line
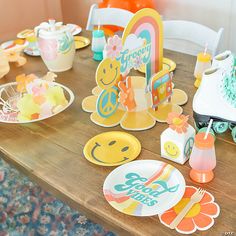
50, 151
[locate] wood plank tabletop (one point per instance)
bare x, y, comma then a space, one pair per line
50, 151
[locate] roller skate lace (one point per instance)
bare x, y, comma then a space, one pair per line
229, 87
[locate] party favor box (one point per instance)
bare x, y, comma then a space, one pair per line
177, 140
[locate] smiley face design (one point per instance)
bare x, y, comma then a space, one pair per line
112, 148
107, 73
171, 149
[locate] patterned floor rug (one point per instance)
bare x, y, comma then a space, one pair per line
27, 210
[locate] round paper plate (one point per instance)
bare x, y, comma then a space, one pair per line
167, 64
144, 188
112, 148
14, 45
25, 33
75, 29
11, 95
32, 52
81, 42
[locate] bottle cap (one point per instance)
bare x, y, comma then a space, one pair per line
98, 33
201, 57
202, 143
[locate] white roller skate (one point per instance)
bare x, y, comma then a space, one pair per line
225, 61
216, 97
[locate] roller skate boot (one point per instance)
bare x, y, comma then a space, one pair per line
216, 99
225, 61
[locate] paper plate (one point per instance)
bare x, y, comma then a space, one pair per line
25, 33
112, 148
167, 64
14, 45
75, 29
11, 95
32, 52
81, 42
144, 188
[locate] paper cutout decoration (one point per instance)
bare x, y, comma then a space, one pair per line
177, 140
200, 217
167, 64
31, 99
161, 87
127, 95
107, 102
134, 102
147, 24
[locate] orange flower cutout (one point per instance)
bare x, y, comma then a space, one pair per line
22, 80
178, 122
201, 215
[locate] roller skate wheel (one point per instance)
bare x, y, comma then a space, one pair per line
220, 127
231, 126
233, 133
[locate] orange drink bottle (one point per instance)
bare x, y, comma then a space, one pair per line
203, 158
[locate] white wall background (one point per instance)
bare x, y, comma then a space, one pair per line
212, 13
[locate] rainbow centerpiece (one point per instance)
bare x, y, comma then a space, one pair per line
134, 102
147, 24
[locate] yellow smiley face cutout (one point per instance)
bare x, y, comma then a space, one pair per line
107, 74
112, 148
171, 149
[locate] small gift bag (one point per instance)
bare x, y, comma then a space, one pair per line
177, 140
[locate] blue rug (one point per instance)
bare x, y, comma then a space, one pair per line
26, 209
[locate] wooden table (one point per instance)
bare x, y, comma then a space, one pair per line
50, 152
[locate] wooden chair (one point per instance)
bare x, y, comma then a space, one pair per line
107, 16
190, 37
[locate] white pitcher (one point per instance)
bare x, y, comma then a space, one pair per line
56, 45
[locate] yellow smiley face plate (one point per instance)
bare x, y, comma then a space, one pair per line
112, 148
81, 42
167, 64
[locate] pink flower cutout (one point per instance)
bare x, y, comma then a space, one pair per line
113, 47
48, 48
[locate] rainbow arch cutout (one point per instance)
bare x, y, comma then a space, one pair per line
147, 24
